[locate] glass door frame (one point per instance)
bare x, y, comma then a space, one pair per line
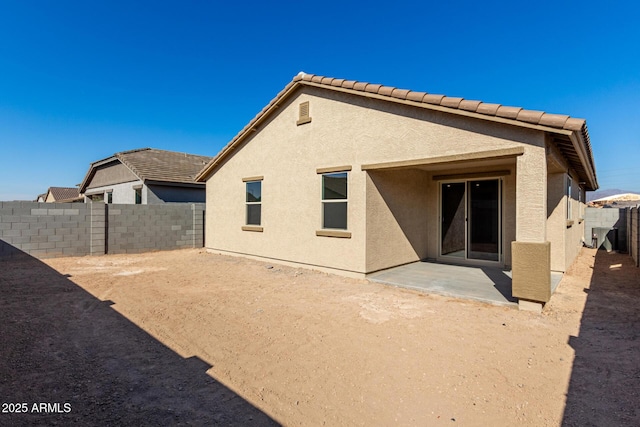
466, 259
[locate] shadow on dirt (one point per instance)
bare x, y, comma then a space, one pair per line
61, 345
605, 382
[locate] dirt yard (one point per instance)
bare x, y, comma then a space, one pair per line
187, 337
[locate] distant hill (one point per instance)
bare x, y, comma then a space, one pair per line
594, 195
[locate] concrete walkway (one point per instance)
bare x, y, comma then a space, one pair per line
487, 284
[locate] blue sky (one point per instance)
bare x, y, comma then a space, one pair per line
81, 80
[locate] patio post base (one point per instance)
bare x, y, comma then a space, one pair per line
531, 270
526, 305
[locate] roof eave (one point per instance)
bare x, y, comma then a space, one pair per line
173, 183
92, 169
575, 134
250, 127
580, 146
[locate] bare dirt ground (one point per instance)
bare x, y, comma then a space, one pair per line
187, 337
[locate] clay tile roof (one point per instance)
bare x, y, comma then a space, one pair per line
400, 93
160, 165
508, 112
386, 90
62, 194
469, 105
530, 116
415, 96
487, 108
372, 88
359, 86
553, 120
574, 124
348, 84
514, 113
452, 102
431, 98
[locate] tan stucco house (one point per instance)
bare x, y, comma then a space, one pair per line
145, 176
60, 195
353, 178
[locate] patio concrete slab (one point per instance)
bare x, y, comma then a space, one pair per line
487, 284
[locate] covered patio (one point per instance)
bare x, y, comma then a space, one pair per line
486, 284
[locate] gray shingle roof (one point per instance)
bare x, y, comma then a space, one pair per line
64, 194
160, 165
151, 164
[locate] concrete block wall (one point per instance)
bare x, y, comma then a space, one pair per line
141, 228
45, 229
606, 218
75, 229
634, 237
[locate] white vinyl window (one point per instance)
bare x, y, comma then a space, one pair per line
334, 200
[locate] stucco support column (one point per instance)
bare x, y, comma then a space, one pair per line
531, 255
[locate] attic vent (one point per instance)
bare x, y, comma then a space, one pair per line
303, 114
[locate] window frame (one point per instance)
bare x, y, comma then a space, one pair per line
248, 226
325, 201
582, 197
568, 192
96, 198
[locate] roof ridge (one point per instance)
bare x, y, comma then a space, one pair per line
456, 105
535, 117
133, 151
559, 121
161, 150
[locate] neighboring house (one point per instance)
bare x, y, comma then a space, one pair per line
145, 176
617, 201
60, 195
354, 178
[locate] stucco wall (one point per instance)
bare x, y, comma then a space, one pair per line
565, 232
151, 194
575, 230
172, 194
396, 218
122, 193
111, 173
556, 219
531, 184
346, 130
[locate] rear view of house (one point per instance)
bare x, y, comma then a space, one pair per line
355, 178
145, 176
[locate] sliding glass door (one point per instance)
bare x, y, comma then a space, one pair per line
453, 235
471, 226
